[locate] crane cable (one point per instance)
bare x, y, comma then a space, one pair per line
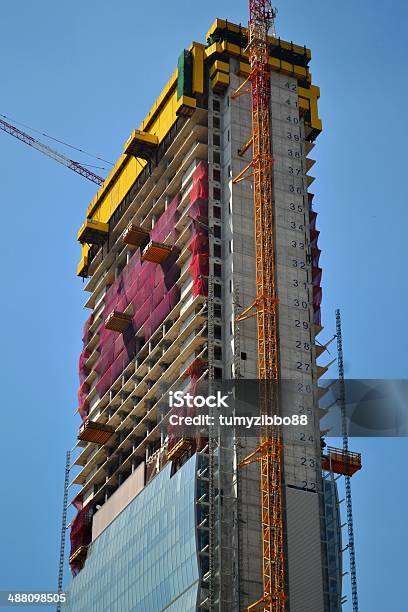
61, 142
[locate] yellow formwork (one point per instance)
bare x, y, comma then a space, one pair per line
83, 263
308, 100
233, 49
92, 230
198, 68
218, 65
215, 48
220, 80
222, 24
244, 69
126, 169
166, 109
140, 143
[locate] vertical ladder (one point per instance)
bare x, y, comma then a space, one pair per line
237, 343
211, 451
63, 525
349, 506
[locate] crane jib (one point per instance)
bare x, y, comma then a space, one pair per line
46, 150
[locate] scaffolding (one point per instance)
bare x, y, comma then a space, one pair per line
349, 505
212, 552
63, 525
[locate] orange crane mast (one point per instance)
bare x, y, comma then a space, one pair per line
269, 451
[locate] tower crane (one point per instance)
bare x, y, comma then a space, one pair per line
269, 451
43, 148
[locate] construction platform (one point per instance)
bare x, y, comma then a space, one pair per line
141, 144
93, 232
91, 431
156, 252
78, 556
135, 236
118, 321
341, 462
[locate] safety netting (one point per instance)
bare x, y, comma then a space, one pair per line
81, 532
316, 270
198, 269
82, 369
199, 244
151, 290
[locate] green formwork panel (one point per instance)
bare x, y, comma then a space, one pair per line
185, 74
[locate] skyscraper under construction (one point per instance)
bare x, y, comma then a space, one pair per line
172, 252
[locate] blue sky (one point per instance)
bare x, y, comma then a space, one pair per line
88, 73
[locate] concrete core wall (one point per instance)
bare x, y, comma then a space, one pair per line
305, 560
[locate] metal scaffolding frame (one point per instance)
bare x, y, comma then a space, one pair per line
347, 480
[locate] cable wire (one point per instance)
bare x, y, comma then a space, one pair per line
60, 142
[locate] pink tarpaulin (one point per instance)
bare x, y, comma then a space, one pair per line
81, 535
316, 276
82, 394
199, 189
199, 245
312, 219
314, 236
82, 371
199, 211
316, 270
317, 297
164, 229
315, 257
87, 325
151, 292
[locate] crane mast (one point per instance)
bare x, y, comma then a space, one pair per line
43, 148
261, 16
269, 451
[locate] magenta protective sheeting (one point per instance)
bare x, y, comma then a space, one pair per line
199, 190
316, 276
199, 245
317, 297
198, 270
316, 270
312, 219
151, 291
164, 228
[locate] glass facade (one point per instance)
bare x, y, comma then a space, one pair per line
146, 560
334, 544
